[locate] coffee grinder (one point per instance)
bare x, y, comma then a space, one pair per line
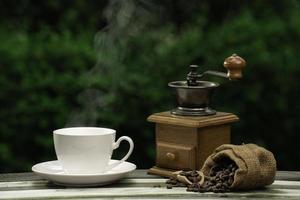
188, 134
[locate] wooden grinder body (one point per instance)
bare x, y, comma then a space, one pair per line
184, 143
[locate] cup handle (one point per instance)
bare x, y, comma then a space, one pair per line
116, 145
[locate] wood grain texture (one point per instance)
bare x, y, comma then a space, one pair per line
176, 134
137, 174
209, 138
138, 185
196, 122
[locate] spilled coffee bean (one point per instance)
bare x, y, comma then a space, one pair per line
220, 178
174, 183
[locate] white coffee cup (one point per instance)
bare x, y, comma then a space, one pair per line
87, 150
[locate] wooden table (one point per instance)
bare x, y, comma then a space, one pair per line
138, 185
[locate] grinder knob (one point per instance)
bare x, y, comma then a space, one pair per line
234, 65
170, 156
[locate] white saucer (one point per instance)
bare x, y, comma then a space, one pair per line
52, 170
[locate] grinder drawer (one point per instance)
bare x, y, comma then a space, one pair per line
175, 156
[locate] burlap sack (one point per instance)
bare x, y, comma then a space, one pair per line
256, 165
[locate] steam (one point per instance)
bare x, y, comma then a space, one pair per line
125, 19
87, 115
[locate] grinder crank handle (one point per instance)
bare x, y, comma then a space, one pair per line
234, 65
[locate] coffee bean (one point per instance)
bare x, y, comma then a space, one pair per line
194, 185
179, 184
169, 186
190, 178
227, 171
190, 189
195, 179
219, 173
194, 173
225, 185
215, 190
213, 180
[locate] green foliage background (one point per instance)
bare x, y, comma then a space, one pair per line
55, 71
